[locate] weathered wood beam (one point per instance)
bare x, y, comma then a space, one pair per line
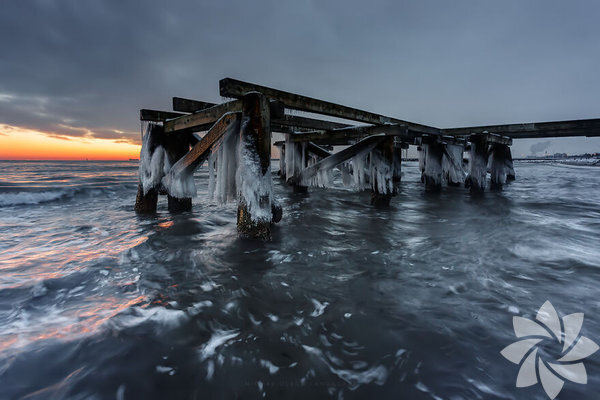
199, 153
491, 138
296, 122
157, 116
234, 88
365, 145
204, 117
256, 208
317, 150
354, 132
190, 106
582, 127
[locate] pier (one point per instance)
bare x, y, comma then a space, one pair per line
235, 137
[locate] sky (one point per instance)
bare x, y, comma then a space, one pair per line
74, 74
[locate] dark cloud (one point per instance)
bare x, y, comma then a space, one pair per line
85, 68
539, 147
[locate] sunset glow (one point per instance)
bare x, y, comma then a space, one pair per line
24, 144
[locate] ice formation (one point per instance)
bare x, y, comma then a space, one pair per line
433, 164
152, 159
235, 172
452, 164
380, 173
180, 186
254, 187
477, 166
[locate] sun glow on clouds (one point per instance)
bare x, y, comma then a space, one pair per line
25, 144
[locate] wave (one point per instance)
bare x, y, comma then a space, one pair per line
24, 198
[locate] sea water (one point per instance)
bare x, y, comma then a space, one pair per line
347, 301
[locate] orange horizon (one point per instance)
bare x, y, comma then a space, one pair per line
21, 144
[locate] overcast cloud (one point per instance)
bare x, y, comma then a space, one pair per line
86, 67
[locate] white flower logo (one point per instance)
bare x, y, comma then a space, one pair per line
551, 374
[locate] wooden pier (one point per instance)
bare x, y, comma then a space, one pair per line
179, 141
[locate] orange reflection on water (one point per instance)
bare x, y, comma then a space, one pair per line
68, 324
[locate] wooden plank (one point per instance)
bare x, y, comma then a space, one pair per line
199, 153
582, 127
490, 138
203, 117
233, 88
366, 145
190, 106
157, 116
296, 122
207, 116
354, 132
317, 150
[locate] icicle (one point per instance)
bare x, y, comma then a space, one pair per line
478, 159
381, 174
152, 158
253, 186
452, 168
211, 176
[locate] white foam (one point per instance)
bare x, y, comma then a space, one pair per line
23, 198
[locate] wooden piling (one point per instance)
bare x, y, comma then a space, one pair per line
397, 165
255, 191
176, 147
295, 163
147, 198
478, 159
499, 169
382, 186
434, 151
452, 164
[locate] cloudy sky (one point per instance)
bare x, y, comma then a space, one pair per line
84, 68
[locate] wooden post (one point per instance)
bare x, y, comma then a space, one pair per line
499, 170
176, 147
255, 191
397, 169
282, 165
147, 198
382, 172
476, 179
294, 163
510, 176
452, 164
434, 151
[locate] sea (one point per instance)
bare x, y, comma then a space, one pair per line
414, 301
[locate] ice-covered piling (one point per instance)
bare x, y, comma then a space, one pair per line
452, 165
181, 188
478, 159
499, 168
432, 175
382, 172
254, 184
295, 162
397, 165
151, 169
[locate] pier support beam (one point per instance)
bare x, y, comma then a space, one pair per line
452, 165
478, 159
176, 147
499, 168
151, 170
510, 176
255, 191
282, 165
432, 175
397, 165
295, 161
382, 171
